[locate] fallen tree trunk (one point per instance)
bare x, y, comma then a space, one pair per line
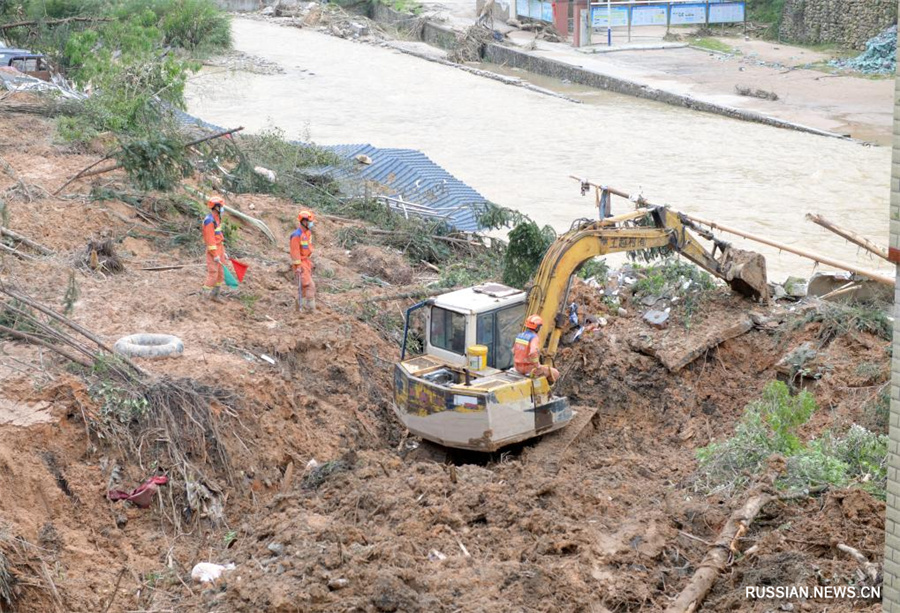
116, 166
71, 324
18, 254
717, 558
22, 336
25, 241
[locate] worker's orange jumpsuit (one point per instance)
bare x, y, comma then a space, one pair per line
215, 247
526, 357
301, 253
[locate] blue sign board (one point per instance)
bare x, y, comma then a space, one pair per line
599, 15
649, 15
688, 14
726, 12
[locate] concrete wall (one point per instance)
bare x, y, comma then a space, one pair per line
891, 590
506, 56
849, 23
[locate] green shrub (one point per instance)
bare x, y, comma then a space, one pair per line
154, 163
527, 245
595, 267
196, 25
768, 426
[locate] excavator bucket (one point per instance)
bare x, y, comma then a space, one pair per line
745, 272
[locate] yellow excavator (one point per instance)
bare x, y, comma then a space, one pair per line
460, 396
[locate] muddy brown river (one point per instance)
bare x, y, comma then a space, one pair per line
519, 147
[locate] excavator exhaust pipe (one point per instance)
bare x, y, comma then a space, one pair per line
745, 272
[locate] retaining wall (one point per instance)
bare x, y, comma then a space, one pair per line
498, 54
849, 23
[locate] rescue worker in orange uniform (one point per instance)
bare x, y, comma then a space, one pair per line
215, 247
527, 352
301, 260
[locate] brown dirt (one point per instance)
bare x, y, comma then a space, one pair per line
375, 527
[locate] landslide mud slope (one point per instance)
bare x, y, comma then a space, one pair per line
379, 525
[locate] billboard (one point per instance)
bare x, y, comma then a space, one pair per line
599, 16
687, 14
726, 12
650, 15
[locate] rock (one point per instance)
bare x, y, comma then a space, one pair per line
358, 29
657, 319
121, 520
649, 300
515, 23
778, 292
622, 312
823, 283
276, 548
338, 583
795, 287
268, 11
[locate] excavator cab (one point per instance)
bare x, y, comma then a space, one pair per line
455, 395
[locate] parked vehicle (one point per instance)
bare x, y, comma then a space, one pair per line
26, 62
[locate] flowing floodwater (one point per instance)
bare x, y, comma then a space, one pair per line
519, 147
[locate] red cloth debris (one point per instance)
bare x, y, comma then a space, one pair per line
143, 495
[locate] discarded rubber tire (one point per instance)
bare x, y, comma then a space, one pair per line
149, 346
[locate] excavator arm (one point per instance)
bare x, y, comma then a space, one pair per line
743, 271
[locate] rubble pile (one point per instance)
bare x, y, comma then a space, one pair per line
880, 56
329, 18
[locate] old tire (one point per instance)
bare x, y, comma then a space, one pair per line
149, 346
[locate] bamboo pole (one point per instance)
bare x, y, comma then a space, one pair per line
821, 259
851, 236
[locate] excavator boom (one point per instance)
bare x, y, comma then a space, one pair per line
744, 271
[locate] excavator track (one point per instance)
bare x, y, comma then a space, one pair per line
552, 448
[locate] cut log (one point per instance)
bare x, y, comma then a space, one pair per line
715, 561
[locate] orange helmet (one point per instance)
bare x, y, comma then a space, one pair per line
212, 201
534, 322
305, 214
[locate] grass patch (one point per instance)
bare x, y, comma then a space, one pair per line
713, 44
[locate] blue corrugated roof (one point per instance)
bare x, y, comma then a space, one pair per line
412, 176
405, 174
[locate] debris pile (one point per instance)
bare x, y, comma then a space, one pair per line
880, 56
329, 18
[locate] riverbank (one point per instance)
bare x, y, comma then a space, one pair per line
805, 98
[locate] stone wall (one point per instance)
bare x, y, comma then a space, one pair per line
848, 23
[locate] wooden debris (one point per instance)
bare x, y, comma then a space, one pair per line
25, 241
851, 236
723, 550
18, 254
